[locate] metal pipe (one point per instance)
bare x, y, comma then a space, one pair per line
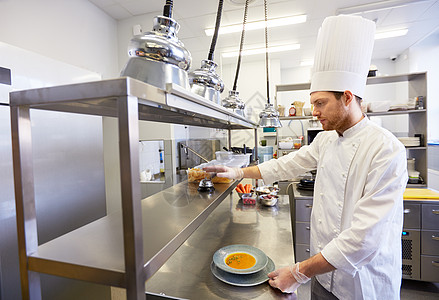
194, 152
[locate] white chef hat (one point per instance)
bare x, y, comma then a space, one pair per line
343, 53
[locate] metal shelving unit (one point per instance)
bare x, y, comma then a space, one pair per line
417, 118
122, 249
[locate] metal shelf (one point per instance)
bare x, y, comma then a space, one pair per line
127, 248
175, 105
396, 112
370, 80
296, 118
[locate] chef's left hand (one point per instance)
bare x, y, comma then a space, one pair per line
283, 280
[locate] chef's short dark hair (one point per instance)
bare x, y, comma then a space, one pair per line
339, 94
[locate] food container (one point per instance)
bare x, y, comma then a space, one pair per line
240, 160
249, 200
287, 145
266, 190
269, 200
241, 195
223, 155
297, 143
265, 153
197, 174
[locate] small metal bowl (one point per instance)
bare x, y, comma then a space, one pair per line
244, 194
269, 200
266, 190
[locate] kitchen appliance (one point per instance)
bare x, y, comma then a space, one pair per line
308, 182
312, 133
205, 81
158, 57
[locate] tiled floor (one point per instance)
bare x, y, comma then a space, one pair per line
418, 290
410, 290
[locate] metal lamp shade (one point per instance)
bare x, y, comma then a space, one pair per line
206, 82
158, 57
269, 117
233, 102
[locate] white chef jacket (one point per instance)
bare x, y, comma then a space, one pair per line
357, 214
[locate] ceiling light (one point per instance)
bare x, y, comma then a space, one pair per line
272, 49
259, 25
390, 34
375, 6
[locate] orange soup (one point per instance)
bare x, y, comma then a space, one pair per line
240, 260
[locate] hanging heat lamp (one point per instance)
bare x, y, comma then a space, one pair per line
158, 57
269, 117
205, 81
233, 101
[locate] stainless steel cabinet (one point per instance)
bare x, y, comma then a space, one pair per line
301, 206
420, 241
430, 242
121, 249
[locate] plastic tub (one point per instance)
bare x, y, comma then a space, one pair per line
241, 160
265, 153
223, 155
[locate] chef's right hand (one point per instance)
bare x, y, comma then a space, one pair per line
227, 172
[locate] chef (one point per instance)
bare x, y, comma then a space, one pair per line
357, 213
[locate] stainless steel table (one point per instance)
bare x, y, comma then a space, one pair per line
187, 273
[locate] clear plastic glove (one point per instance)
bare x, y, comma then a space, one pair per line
227, 172
287, 279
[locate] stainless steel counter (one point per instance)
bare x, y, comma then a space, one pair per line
187, 273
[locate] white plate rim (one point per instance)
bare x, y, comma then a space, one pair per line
222, 253
270, 267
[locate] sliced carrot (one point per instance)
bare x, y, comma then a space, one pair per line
247, 188
239, 190
241, 186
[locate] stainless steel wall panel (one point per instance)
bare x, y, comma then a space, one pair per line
67, 154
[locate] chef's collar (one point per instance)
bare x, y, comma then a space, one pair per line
350, 132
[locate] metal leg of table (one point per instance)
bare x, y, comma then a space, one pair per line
131, 206
25, 199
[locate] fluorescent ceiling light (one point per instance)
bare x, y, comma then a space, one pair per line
375, 6
390, 34
258, 25
271, 49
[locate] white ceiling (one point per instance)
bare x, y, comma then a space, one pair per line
421, 19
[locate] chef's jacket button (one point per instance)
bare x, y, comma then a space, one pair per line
335, 230
320, 246
320, 220
339, 203
321, 194
344, 174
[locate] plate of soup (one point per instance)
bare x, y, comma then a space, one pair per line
240, 259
